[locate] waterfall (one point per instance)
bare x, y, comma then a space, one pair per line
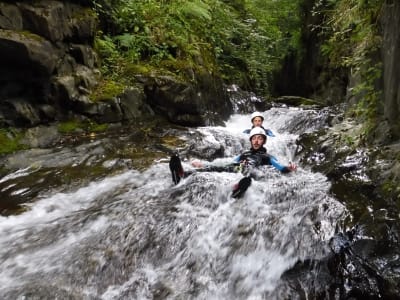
135, 235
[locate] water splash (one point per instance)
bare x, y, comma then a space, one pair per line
136, 236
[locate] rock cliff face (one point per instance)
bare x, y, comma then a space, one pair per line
48, 69
47, 63
311, 76
390, 59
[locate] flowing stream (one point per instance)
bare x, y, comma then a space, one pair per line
134, 235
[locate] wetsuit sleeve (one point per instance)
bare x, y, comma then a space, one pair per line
237, 159
269, 133
278, 166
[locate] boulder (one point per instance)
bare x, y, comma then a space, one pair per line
48, 63
204, 102
59, 20
27, 51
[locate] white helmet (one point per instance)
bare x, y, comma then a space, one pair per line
258, 130
256, 114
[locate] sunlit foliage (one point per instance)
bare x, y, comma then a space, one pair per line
242, 41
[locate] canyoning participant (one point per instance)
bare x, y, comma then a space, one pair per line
256, 156
257, 120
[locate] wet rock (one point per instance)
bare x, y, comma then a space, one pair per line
47, 60
58, 20
41, 137
10, 17
246, 102
183, 103
297, 101
133, 104
358, 174
27, 51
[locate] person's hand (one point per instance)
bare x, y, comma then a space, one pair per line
292, 167
197, 164
244, 163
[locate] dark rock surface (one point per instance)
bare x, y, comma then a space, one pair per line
49, 70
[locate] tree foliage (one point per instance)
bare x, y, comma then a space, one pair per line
242, 41
353, 39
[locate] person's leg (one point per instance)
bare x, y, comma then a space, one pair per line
241, 187
176, 168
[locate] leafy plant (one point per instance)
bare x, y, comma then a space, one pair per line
353, 40
241, 41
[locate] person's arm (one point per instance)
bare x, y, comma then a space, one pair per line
205, 164
197, 163
269, 132
284, 169
237, 159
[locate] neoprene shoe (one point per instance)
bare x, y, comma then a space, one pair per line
241, 187
176, 168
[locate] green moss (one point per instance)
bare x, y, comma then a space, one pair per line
23, 34
84, 14
31, 36
86, 126
10, 141
172, 141
69, 126
349, 140
138, 69
391, 189
165, 68
106, 90
95, 127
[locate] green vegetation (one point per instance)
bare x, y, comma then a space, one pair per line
85, 126
353, 40
243, 41
106, 90
10, 141
391, 189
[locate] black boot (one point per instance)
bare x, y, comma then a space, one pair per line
241, 187
176, 168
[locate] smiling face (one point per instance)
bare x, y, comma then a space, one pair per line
257, 121
257, 141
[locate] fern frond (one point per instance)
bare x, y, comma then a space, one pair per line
196, 9
126, 40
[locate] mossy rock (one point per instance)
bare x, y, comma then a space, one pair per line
10, 141
297, 101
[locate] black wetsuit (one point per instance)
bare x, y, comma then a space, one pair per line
252, 157
243, 163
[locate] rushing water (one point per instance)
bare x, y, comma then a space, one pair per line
135, 235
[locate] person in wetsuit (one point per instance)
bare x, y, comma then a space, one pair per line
257, 120
256, 156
